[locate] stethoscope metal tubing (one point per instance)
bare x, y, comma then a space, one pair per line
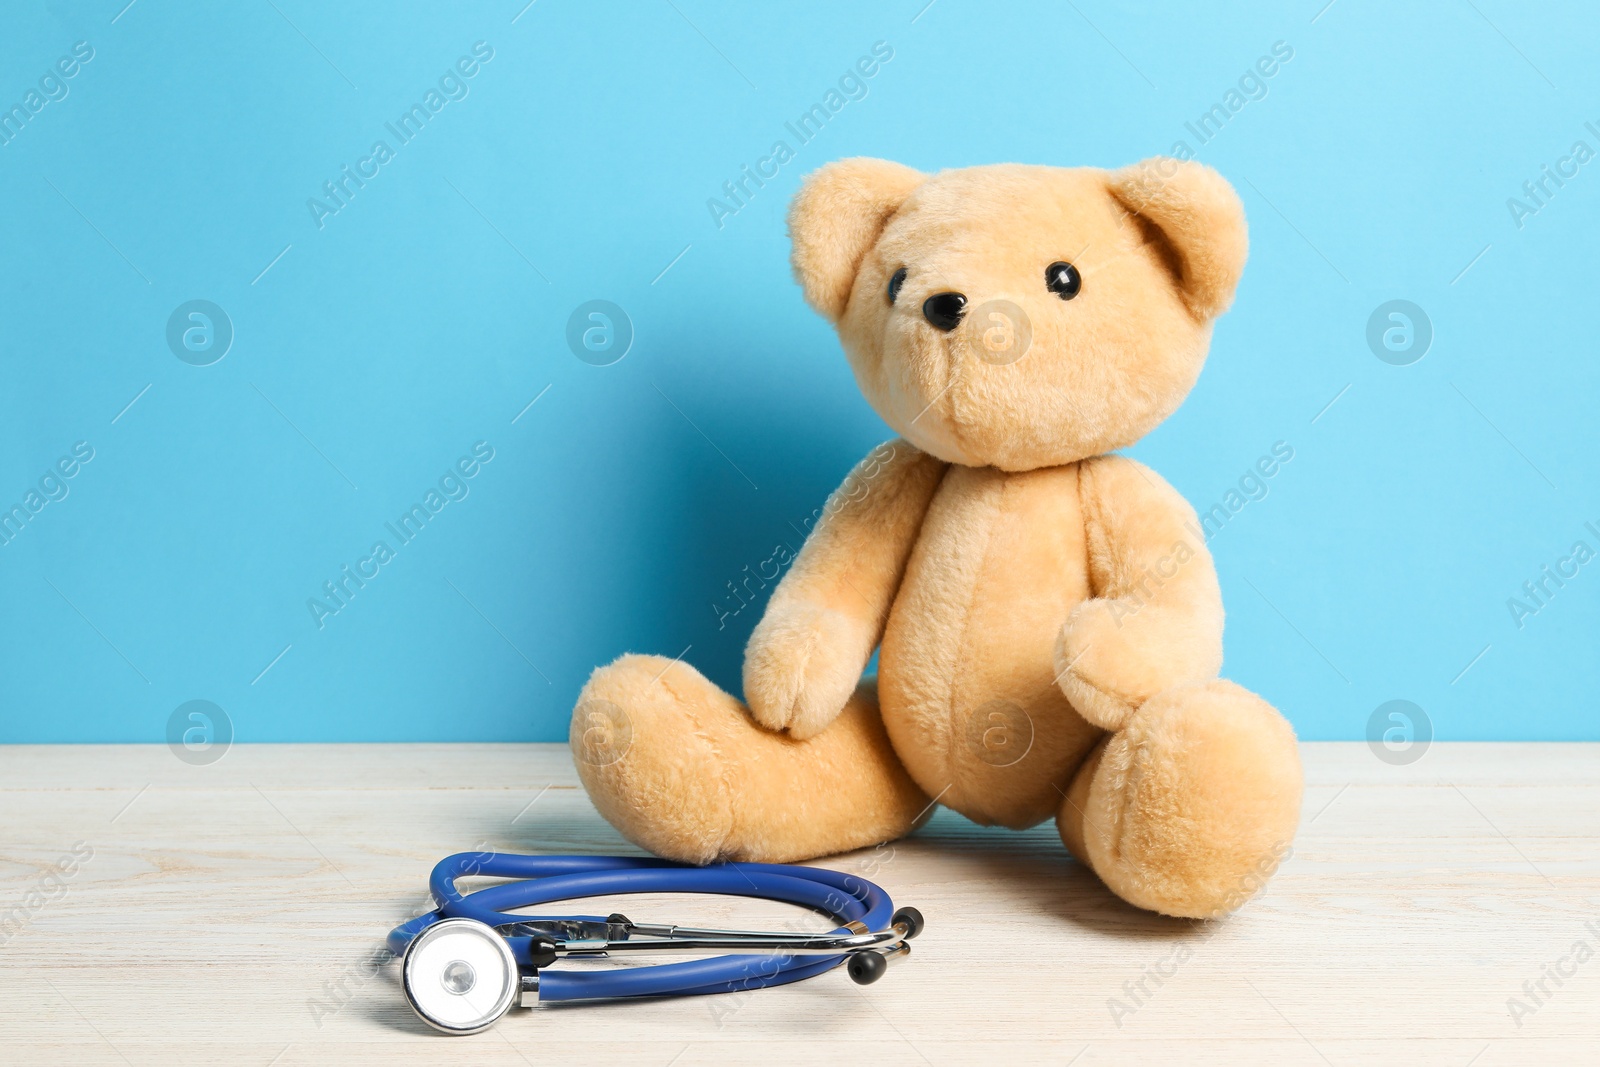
816, 945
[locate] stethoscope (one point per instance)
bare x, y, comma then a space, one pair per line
468, 961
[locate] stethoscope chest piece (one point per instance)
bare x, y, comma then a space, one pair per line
460, 976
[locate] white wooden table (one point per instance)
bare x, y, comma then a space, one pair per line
230, 914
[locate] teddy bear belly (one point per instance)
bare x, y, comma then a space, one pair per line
966, 677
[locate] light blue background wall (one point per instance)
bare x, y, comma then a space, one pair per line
369, 354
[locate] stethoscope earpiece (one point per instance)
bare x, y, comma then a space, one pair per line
911, 919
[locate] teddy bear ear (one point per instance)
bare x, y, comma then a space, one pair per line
836, 218
1199, 218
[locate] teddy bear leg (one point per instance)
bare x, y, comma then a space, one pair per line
1190, 807
680, 768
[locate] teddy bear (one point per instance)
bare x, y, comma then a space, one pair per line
1047, 618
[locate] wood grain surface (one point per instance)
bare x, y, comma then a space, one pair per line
231, 913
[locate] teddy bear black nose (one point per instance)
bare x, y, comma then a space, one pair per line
944, 310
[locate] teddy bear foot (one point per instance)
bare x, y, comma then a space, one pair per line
680, 768
1191, 806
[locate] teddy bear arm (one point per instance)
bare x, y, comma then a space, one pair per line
1155, 620
826, 616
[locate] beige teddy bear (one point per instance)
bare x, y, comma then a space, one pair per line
1048, 619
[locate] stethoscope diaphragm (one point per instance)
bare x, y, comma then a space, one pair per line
460, 976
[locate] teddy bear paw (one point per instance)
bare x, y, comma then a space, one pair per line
1191, 807
801, 667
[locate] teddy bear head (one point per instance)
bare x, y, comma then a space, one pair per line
1020, 316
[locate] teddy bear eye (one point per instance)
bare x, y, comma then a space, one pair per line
1063, 280
895, 282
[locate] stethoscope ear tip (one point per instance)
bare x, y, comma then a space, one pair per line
911, 919
866, 967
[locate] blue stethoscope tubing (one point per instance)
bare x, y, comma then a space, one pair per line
544, 879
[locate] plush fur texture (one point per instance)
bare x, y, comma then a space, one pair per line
1048, 620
